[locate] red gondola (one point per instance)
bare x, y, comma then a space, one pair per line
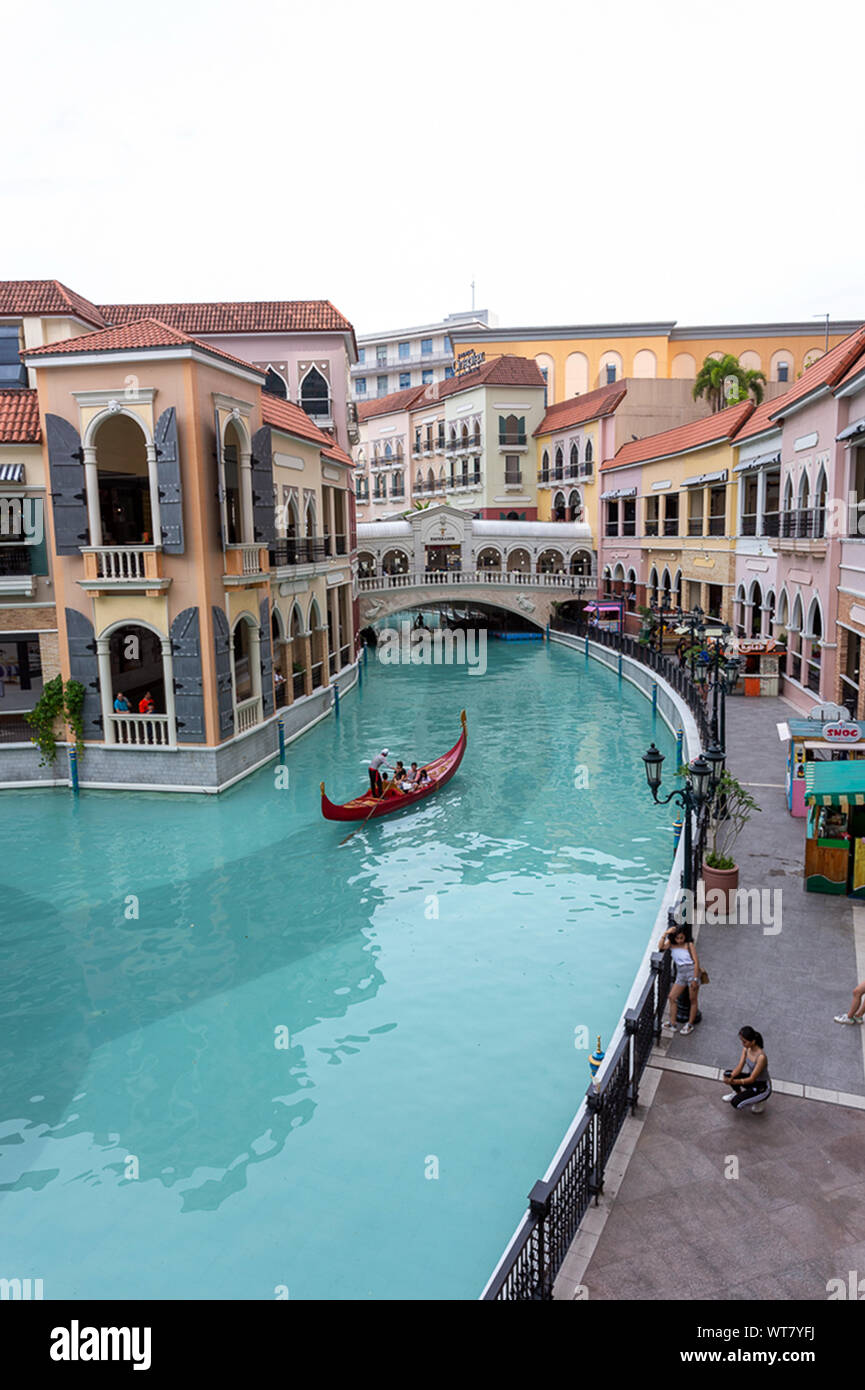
369, 807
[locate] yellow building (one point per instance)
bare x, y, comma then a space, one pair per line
583, 358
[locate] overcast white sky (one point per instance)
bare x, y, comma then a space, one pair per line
584, 162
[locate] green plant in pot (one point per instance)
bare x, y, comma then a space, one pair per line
732, 808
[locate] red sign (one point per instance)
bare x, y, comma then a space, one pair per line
841, 733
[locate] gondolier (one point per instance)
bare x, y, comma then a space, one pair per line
375, 767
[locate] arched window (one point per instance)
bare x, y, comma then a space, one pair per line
476, 435
125, 505
397, 488
512, 429
574, 461
315, 394
430, 481
560, 464
490, 559
677, 589
739, 611
819, 523
631, 590
581, 563
464, 436
756, 610
794, 641
770, 611
388, 453
545, 467
653, 585
559, 511
418, 482
589, 451
575, 506
783, 611
814, 634
275, 384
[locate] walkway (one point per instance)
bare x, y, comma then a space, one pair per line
726, 1205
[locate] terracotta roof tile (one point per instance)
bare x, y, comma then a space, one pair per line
760, 420
507, 370
388, 405
131, 337
19, 417
46, 297
578, 409
697, 434
285, 415
240, 316
857, 366
338, 454
828, 370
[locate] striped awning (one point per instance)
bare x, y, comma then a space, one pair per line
11, 472
835, 784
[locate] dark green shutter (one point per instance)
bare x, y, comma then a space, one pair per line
68, 494
168, 482
188, 682
266, 653
222, 646
263, 508
84, 667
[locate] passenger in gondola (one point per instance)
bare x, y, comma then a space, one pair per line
423, 778
399, 772
411, 775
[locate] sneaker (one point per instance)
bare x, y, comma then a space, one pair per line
686, 1028
731, 1095
669, 1028
845, 1018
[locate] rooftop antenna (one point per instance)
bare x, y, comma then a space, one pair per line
473, 301
826, 317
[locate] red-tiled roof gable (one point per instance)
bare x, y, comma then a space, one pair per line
576, 411
338, 455
760, 420
388, 405
46, 298
285, 415
853, 370
19, 417
828, 370
507, 370
131, 337
680, 440
242, 316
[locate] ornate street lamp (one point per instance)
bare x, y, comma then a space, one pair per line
692, 797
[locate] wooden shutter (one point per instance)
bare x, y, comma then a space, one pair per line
188, 681
68, 493
168, 482
222, 645
266, 651
263, 509
84, 667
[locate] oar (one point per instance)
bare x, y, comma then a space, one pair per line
360, 827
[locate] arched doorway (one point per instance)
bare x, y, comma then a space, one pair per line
233, 448
281, 648
134, 664
246, 673
550, 562
519, 565
124, 483
394, 562
581, 563
756, 610
559, 509
301, 676
489, 560
575, 505
365, 565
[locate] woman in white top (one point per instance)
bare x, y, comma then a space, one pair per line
678, 940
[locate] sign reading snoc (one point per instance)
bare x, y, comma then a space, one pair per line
841, 733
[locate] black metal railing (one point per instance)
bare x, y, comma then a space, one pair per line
803, 525
299, 550
557, 1204
515, 439
16, 559
298, 686
513, 479
15, 729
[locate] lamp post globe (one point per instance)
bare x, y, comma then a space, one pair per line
653, 759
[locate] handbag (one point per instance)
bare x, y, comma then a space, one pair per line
704, 977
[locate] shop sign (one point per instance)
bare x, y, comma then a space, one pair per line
841, 733
469, 361
751, 646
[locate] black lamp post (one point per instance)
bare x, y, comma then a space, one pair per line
698, 788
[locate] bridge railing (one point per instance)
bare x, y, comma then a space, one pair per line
571, 583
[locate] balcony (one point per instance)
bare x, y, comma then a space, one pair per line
695, 526
802, 532
671, 526
245, 564
299, 550
512, 441
123, 568
717, 526
247, 715
16, 575
513, 479
652, 527
140, 730
754, 525
543, 478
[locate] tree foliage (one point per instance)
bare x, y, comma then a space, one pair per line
712, 378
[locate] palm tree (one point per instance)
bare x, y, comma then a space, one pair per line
712, 377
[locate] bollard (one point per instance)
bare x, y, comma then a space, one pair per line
620, 665
73, 768
680, 749
280, 729
654, 697
587, 644
360, 675
548, 632
365, 653
677, 834
335, 689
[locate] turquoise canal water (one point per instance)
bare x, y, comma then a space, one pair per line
430, 974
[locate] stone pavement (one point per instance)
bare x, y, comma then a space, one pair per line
790, 985
700, 1199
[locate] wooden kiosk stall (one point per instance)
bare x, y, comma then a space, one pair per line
835, 828
817, 740
761, 657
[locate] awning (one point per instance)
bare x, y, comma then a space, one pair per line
835, 784
701, 478
11, 472
761, 461
857, 427
619, 492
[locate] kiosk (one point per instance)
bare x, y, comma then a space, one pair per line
761, 657
835, 828
818, 740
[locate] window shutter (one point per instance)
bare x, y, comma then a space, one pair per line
188, 683
263, 512
266, 651
84, 667
168, 482
68, 494
222, 654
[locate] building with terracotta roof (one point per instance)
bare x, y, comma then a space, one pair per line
199, 550
466, 440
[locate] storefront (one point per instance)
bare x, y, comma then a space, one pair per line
835, 828
443, 557
761, 657
606, 616
817, 741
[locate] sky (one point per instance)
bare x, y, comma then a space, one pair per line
581, 162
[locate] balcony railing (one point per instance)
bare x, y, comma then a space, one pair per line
299, 550
318, 408
754, 525
243, 559
248, 714
803, 525
513, 479
434, 578
298, 686
717, 525
122, 563
517, 440
695, 526
543, 477
141, 730
652, 527
671, 526
15, 559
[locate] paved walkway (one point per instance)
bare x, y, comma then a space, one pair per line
701, 1199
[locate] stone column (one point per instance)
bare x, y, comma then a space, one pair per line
288, 669
155, 513
322, 645
247, 528
168, 680
305, 639
91, 476
106, 694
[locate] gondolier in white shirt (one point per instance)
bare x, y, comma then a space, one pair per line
375, 767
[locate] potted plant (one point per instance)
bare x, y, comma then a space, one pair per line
731, 810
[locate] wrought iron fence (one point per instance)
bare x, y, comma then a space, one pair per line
558, 1203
